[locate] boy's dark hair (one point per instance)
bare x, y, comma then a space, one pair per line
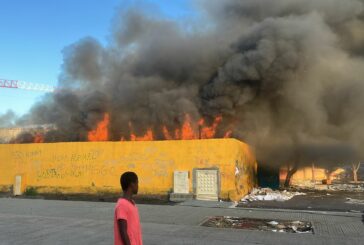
127, 178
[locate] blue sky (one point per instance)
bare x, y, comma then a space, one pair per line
34, 32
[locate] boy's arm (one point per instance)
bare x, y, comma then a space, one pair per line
122, 224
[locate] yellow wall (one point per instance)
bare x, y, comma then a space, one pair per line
91, 167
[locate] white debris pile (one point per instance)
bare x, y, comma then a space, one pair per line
267, 194
290, 226
347, 187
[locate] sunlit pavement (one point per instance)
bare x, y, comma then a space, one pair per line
32, 221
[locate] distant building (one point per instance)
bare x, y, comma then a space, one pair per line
7, 135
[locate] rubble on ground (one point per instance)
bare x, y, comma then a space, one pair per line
259, 224
346, 187
267, 194
335, 186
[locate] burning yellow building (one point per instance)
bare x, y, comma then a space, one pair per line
95, 167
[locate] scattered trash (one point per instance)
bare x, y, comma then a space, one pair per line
259, 224
347, 187
267, 194
279, 226
273, 223
334, 186
237, 171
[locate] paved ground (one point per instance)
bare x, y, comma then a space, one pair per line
315, 200
27, 221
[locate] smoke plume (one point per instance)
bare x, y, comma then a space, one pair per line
286, 75
7, 119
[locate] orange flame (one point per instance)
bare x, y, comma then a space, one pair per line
189, 130
228, 134
38, 138
101, 133
177, 134
166, 133
148, 136
209, 132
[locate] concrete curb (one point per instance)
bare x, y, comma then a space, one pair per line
331, 213
322, 212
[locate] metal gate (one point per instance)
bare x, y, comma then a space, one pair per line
17, 185
207, 184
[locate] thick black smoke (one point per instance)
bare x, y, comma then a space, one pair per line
287, 75
294, 80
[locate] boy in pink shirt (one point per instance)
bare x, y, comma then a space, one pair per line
127, 229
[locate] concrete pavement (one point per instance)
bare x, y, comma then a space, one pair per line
28, 221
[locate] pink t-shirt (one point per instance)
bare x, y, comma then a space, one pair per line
124, 209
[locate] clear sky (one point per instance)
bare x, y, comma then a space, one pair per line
34, 32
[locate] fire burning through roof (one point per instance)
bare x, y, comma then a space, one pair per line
38, 138
188, 131
101, 133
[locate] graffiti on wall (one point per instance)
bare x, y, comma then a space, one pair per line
75, 165
75, 171
22, 156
